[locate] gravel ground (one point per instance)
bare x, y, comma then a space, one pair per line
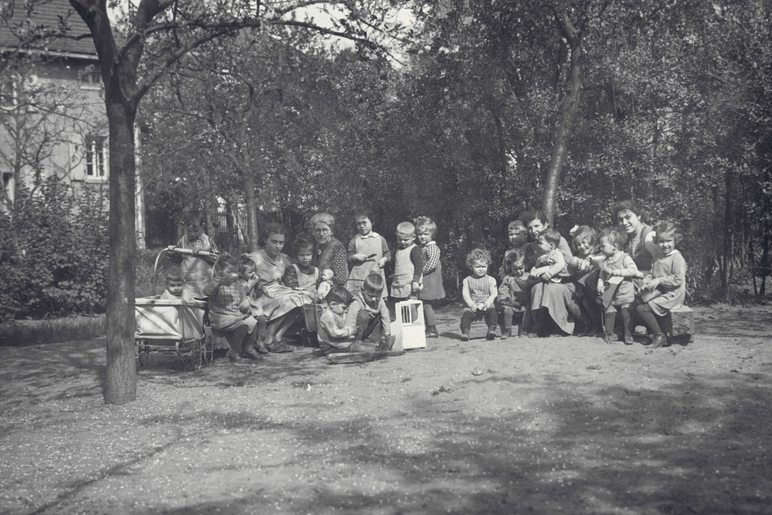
553, 425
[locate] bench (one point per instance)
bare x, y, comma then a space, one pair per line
679, 325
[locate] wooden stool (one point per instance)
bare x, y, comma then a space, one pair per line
679, 325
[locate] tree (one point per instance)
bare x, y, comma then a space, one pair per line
129, 72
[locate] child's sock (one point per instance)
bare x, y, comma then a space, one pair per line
609, 320
649, 319
628, 335
466, 324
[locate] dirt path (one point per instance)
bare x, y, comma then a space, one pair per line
558, 425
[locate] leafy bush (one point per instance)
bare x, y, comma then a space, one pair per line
53, 254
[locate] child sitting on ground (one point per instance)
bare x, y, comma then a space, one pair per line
229, 309
479, 293
175, 285
665, 289
432, 289
615, 283
513, 300
369, 315
518, 240
333, 333
551, 264
408, 264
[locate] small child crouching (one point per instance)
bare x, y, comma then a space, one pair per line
333, 333
229, 308
514, 298
479, 292
369, 315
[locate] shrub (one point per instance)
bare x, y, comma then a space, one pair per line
53, 254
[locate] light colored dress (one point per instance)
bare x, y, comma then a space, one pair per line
277, 300
671, 270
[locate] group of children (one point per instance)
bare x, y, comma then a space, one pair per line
356, 317
595, 284
541, 283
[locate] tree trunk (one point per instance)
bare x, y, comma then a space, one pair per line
568, 109
726, 255
251, 205
121, 379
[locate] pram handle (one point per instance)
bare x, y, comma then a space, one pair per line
180, 250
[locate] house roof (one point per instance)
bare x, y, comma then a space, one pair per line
51, 16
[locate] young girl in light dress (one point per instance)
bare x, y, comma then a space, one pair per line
665, 289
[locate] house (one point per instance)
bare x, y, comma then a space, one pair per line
52, 113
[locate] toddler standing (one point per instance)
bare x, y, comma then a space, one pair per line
518, 239
617, 271
367, 252
665, 289
408, 264
432, 289
514, 298
479, 293
196, 269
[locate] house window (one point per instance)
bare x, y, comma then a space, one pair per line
7, 93
96, 157
90, 77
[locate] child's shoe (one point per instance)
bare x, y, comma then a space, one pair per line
233, 357
506, 333
260, 346
465, 336
250, 353
629, 339
609, 338
657, 341
431, 332
491, 334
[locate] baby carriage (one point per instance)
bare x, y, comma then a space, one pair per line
172, 325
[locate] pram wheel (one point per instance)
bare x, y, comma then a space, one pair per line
207, 352
143, 351
201, 353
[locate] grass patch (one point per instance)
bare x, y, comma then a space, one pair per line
54, 330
